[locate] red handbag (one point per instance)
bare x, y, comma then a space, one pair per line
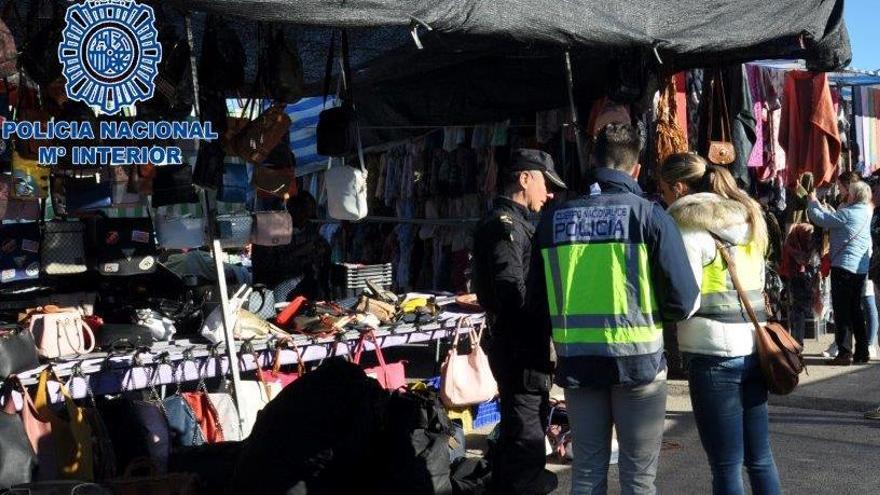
390, 376
205, 414
275, 375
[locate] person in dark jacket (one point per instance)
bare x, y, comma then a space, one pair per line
519, 348
614, 270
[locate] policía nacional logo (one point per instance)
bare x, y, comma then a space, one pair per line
110, 53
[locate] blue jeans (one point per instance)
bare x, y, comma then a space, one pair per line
869, 307
730, 406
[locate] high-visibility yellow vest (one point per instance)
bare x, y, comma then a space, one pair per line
718, 297
601, 299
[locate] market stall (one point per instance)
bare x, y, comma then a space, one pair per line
374, 121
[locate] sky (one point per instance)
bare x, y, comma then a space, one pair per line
863, 21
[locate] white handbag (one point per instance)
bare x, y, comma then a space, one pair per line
228, 414
183, 232
61, 334
212, 328
255, 394
346, 192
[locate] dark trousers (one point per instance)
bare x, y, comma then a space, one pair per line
849, 320
519, 458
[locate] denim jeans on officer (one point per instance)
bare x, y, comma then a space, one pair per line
730, 406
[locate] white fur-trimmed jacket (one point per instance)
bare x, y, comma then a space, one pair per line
697, 215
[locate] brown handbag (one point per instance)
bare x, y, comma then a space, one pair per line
260, 136
272, 228
781, 356
278, 182
721, 150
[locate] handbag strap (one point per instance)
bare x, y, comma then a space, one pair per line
725, 115
731, 268
359, 349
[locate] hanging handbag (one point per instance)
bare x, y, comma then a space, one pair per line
390, 376
19, 252
207, 418
260, 136
337, 132
275, 182
18, 462
227, 415
138, 429
30, 181
78, 194
61, 334
272, 228
180, 232
234, 230
183, 429
781, 356
346, 192
103, 454
173, 185
467, 379
233, 183
721, 150
63, 249
281, 66
72, 435
125, 188
173, 98
222, 62
209, 168
124, 246
13, 208
275, 375
18, 352
38, 430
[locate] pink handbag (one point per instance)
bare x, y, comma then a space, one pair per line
38, 430
390, 376
466, 379
61, 334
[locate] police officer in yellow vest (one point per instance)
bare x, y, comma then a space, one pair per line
614, 269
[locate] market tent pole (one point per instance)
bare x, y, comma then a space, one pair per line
217, 251
569, 80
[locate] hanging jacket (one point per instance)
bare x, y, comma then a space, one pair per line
808, 130
614, 269
720, 327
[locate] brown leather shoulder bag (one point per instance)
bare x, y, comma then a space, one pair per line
781, 356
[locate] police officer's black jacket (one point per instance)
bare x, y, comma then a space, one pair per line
501, 260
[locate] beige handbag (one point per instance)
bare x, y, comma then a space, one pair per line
466, 379
61, 334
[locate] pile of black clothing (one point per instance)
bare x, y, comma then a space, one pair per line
336, 431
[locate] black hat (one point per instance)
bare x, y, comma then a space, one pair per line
528, 159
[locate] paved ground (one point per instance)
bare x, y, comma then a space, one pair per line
821, 442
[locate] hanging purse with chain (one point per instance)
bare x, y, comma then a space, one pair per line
721, 150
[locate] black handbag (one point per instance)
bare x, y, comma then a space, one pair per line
124, 246
337, 134
18, 352
17, 459
221, 67
173, 100
173, 185
19, 252
281, 67
118, 336
337, 127
209, 167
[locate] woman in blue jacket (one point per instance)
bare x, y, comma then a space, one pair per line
850, 252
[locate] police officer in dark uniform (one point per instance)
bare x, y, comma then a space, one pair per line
519, 347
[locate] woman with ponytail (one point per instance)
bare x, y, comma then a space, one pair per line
727, 387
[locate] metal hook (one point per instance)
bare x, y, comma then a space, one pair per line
414, 25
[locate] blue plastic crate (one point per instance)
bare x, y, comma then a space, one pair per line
433, 382
486, 414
